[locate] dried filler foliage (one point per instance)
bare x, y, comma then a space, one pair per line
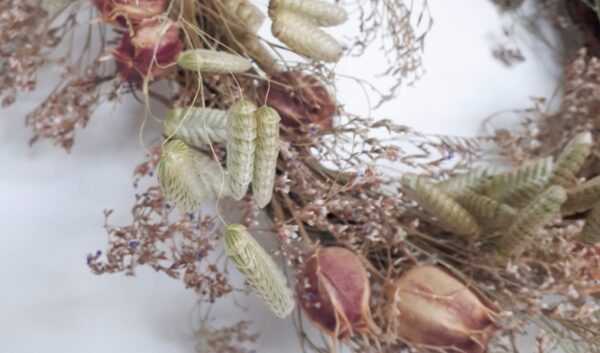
495, 251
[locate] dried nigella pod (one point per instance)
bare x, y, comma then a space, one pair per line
259, 270
129, 11
333, 289
432, 310
304, 37
449, 213
299, 99
241, 145
320, 12
213, 61
196, 126
152, 49
265, 158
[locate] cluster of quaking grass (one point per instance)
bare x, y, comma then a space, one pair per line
477, 260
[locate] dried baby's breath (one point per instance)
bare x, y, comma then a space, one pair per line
259, 270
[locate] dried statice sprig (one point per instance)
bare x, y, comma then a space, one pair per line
229, 339
178, 248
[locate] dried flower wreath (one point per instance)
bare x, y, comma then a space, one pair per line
451, 257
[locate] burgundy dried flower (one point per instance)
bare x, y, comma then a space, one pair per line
431, 308
129, 11
299, 99
153, 39
334, 291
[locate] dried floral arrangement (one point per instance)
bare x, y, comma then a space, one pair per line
402, 243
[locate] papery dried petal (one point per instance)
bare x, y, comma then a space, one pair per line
129, 11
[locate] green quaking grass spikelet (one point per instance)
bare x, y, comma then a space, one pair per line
265, 158
539, 213
486, 211
467, 183
186, 178
196, 126
449, 213
250, 15
259, 270
212, 61
304, 37
570, 161
582, 197
241, 146
320, 12
519, 186
590, 234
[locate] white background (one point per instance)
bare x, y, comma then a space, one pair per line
51, 202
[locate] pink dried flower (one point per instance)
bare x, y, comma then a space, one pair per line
129, 11
334, 291
154, 46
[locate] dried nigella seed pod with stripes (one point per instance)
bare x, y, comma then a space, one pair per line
486, 210
571, 160
267, 151
320, 12
241, 145
466, 183
212, 61
451, 215
541, 211
304, 37
258, 269
196, 126
590, 234
519, 186
185, 178
582, 198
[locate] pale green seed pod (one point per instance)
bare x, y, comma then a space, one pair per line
486, 210
539, 213
241, 145
570, 161
250, 15
265, 158
196, 126
466, 183
212, 61
259, 270
260, 54
590, 234
305, 38
519, 186
451, 215
186, 178
320, 12
582, 198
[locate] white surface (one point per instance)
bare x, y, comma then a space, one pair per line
52, 202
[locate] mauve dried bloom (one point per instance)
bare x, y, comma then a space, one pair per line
129, 11
430, 308
333, 289
299, 99
152, 49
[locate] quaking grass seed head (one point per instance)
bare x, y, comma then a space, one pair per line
259, 270
196, 126
241, 146
320, 12
212, 61
267, 151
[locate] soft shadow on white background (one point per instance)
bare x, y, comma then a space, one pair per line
51, 202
